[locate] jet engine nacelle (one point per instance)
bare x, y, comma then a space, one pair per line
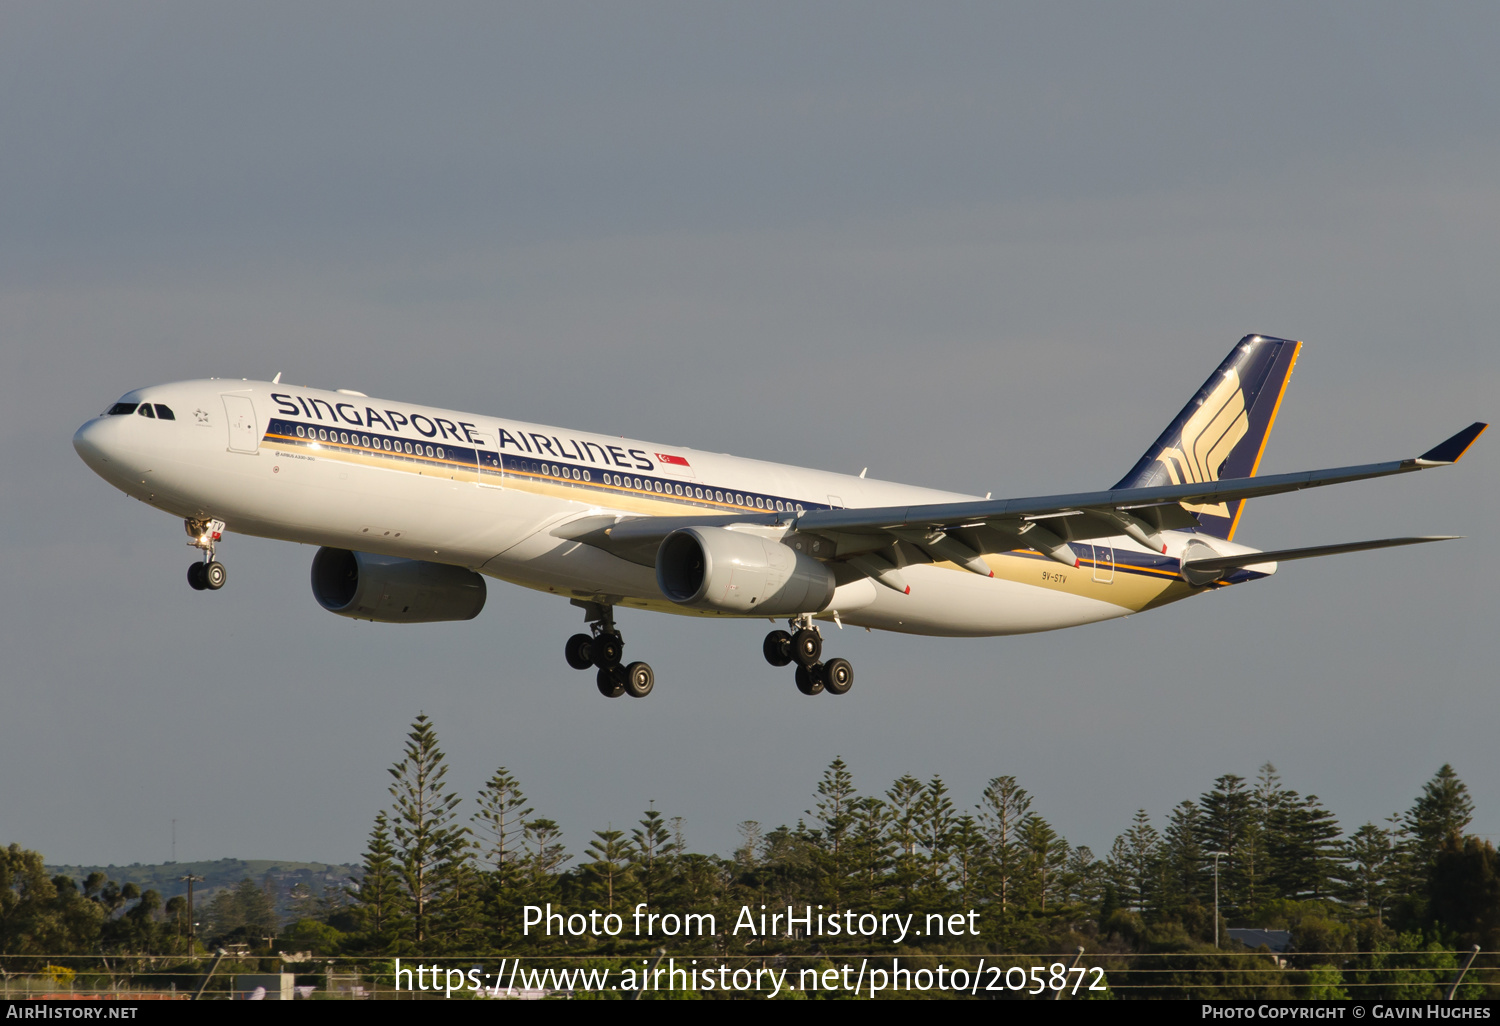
740, 572
389, 589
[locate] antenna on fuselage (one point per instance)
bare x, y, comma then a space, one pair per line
277, 379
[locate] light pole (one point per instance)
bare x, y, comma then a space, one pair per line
1217, 855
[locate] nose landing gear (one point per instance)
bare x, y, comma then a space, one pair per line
602, 649
210, 574
803, 646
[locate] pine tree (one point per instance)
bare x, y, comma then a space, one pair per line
1443, 809
1045, 856
1143, 860
1003, 808
377, 890
429, 847
652, 857
546, 855
1183, 877
1083, 879
611, 854
1369, 859
1229, 824
1301, 848
502, 810
835, 816
935, 823
904, 800
967, 847
870, 849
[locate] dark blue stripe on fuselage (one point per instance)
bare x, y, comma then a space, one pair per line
516, 467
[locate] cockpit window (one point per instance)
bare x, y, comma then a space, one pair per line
120, 408
164, 412
145, 411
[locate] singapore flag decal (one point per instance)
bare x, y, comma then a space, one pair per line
663, 457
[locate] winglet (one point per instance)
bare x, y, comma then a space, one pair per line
1452, 450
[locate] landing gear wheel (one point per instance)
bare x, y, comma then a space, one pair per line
611, 682
810, 679
838, 676
214, 575
579, 651
807, 646
778, 648
195, 576
605, 650
639, 680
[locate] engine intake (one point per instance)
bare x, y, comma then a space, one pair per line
739, 572
363, 586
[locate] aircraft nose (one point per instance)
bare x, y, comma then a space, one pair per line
93, 443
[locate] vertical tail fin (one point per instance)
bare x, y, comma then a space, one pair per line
1222, 432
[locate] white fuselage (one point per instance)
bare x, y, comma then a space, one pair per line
492, 494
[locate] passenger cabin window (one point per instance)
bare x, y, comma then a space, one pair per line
164, 412
121, 408
145, 411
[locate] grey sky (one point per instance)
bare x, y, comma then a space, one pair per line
979, 247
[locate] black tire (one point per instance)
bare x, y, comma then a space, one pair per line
578, 651
195, 576
606, 650
610, 683
807, 646
810, 680
777, 648
214, 575
639, 680
838, 676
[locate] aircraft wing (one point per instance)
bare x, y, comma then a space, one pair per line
962, 531
1244, 559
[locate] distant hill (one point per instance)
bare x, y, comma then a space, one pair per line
163, 877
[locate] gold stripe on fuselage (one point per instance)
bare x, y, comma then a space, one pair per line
1136, 588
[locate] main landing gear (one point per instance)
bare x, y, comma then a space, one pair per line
804, 646
210, 574
602, 649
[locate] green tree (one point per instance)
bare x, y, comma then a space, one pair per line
1443, 808
1230, 824
935, 824
834, 814
498, 826
870, 849
430, 847
378, 891
904, 801
29, 903
1301, 847
546, 854
1184, 882
1046, 853
1138, 854
1083, 880
653, 852
1001, 811
609, 864
966, 842
1464, 890
1365, 878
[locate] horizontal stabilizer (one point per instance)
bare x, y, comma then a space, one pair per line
1454, 448
1245, 559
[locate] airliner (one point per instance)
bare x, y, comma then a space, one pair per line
412, 507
